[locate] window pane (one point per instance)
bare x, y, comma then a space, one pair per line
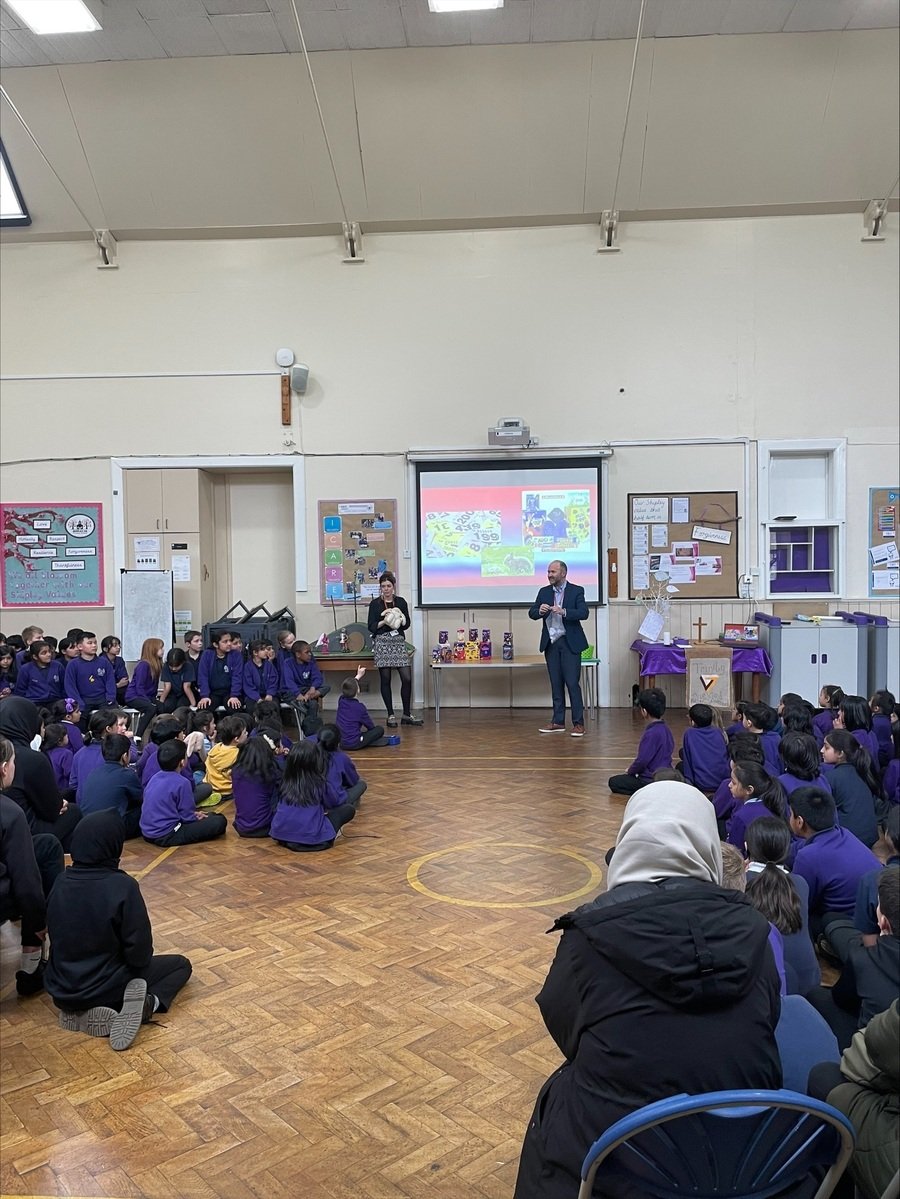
802, 560
799, 485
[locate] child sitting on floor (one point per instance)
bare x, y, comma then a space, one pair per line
655, 747
231, 733
102, 973
761, 720
255, 777
356, 726
704, 752
168, 814
307, 816
343, 777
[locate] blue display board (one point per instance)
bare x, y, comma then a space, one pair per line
52, 555
357, 541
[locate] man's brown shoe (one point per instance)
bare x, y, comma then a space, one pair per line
553, 728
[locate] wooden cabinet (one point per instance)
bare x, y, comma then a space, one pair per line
160, 501
172, 509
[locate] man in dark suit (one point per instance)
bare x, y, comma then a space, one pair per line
562, 608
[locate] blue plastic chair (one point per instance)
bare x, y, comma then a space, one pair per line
725, 1143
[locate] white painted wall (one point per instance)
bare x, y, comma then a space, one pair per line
757, 328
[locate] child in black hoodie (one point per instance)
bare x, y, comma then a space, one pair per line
102, 973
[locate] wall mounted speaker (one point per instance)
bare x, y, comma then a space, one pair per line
299, 378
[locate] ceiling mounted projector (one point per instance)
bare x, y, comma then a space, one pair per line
510, 431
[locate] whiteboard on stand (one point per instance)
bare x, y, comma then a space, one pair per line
148, 610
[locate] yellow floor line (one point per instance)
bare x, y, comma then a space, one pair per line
139, 874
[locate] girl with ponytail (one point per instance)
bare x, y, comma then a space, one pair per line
854, 785
783, 899
759, 794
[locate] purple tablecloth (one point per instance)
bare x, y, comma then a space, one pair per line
669, 659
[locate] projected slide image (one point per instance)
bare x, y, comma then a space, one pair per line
507, 561
461, 535
488, 533
556, 520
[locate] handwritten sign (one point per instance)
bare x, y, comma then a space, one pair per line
649, 509
702, 533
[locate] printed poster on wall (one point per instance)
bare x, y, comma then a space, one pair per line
357, 542
52, 555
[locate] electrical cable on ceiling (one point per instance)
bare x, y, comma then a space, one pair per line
37, 145
315, 93
634, 57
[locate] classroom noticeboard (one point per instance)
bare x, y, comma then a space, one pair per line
693, 537
884, 555
52, 555
357, 542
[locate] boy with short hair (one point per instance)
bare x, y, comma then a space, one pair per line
870, 976
115, 785
831, 859
704, 750
168, 814
30, 633
220, 674
302, 685
655, 749
89, 678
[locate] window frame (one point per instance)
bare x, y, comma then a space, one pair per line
835, 451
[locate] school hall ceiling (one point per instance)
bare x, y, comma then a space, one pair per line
195, 118
133, 30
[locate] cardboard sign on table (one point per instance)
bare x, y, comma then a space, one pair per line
709, 678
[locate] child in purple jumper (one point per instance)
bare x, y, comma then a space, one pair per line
655, 749
704, 753
168, 814
356, 726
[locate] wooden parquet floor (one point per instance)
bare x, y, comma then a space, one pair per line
360, 1023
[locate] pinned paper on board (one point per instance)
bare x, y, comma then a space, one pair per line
639, 542
703, 533
649, 508
885, 580
640, 572
681, 509
885, 553
659, 536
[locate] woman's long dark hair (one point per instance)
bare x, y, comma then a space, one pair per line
304, 784
256, 760
764, 787
772, 892
856, 756
800, 756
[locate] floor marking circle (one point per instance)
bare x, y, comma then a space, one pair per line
594, 879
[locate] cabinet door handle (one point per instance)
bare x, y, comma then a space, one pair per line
824, 659
157, 522
813, 658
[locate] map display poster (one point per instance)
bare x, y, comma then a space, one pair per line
52, 555
357, 542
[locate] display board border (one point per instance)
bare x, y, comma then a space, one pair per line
42, 574
878, 497
383, 547
715, 510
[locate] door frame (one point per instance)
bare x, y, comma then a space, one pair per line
295, 463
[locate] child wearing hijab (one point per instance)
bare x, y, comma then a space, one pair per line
102, 973
663, 985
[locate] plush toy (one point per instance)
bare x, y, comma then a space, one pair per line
393, 618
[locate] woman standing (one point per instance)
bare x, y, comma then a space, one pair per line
388, 617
